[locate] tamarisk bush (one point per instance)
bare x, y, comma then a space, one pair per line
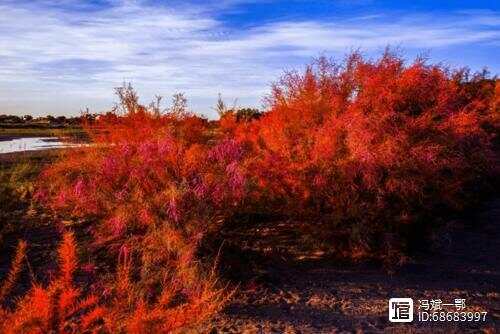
51, 308
374, 150
63, 307
373, 146
150, 185
145, 172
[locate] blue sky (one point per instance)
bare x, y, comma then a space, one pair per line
60, 56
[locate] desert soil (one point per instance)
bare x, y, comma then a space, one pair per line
320, 296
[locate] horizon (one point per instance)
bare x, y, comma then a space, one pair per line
60, 57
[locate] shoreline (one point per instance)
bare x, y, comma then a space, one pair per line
8, 138
16, 133
17, 156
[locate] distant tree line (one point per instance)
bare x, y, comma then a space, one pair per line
242, 114
129, 104
51, 121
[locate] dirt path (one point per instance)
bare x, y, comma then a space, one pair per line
321, 297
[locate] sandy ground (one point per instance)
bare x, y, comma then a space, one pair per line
323, 297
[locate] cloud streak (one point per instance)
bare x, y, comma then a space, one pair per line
51, 52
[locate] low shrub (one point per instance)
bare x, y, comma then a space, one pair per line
118, 307
375, 147
150, 185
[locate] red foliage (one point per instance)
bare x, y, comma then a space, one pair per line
152, 187
62, 307
372, 147
143, 172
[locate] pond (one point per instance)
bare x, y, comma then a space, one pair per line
32, 144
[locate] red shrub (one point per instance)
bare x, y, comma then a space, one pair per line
373, 145
374, 148
62, 307
144, 171
151, 184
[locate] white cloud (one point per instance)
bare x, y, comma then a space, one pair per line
78, 55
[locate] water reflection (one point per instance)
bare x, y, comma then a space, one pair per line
32, 144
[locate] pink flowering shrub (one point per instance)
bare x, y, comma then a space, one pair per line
149, 186
131, 185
